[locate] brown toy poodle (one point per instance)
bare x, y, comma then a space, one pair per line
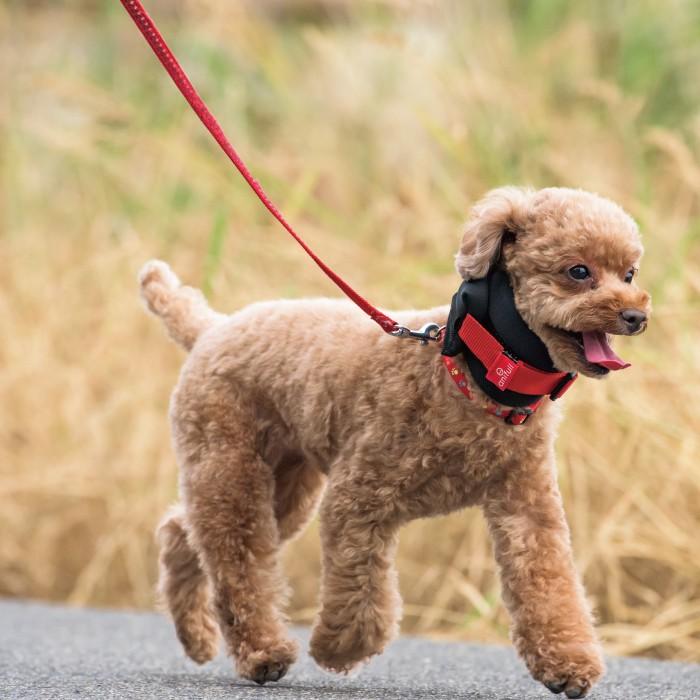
286, 404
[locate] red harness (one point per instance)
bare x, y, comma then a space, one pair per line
505, 372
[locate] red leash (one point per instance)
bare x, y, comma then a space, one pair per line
179, 77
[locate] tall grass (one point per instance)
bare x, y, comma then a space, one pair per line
374, 126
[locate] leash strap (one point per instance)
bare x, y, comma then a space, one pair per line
179, 77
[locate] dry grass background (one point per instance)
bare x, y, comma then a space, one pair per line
374, 126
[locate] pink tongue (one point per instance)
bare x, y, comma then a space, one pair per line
597, 350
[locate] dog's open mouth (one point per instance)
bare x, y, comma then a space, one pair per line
597, 350
594, 348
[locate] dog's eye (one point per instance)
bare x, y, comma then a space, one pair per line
630, 276
579, 273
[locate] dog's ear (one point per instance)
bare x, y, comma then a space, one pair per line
502, 211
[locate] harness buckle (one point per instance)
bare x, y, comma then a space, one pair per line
563, 386
428, 332
518, 416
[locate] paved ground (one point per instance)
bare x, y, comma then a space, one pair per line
55, 653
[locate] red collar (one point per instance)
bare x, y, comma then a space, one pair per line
505, 372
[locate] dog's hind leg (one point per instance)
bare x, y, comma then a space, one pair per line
229, 492
184, 588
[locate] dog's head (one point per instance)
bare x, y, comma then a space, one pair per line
572, 259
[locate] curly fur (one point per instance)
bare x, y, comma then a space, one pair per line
287, 402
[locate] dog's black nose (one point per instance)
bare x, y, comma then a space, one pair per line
633, 319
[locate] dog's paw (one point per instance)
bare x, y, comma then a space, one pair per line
267, 665
341, 649
569, 668
199, 636
269, 672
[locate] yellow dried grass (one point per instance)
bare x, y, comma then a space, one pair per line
375, 130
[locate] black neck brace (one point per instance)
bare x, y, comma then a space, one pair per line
490, 300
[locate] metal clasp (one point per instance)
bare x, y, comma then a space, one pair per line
426, 333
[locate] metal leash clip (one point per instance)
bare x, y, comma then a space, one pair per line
426, 333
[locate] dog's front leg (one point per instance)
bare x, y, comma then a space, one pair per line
359, 590
552, 624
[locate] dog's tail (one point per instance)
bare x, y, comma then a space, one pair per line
184, 310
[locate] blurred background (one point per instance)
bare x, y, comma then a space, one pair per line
374, 126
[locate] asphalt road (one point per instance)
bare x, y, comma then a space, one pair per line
54, 652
